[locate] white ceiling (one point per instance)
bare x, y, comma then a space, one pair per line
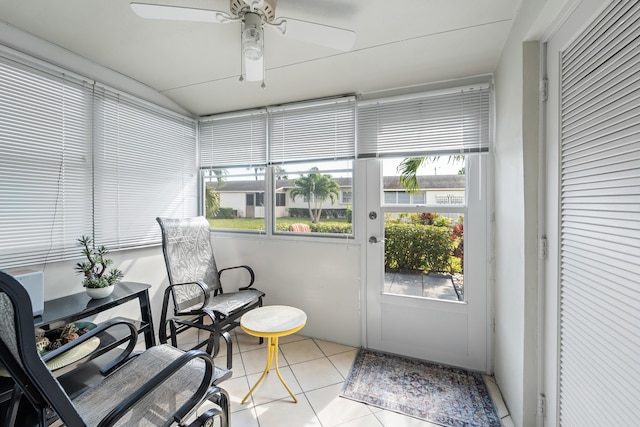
197, 65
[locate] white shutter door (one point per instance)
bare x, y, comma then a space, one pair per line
600, 222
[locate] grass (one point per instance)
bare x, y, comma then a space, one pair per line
258, 223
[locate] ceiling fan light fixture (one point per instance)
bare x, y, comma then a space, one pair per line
253, 47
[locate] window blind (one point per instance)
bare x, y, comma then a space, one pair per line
45, 172
446, 122
233, 140
319, 130
600, 222
144, 167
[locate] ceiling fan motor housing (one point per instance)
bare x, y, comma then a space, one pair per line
267, 7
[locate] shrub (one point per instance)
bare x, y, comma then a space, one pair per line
224, 213
326, 213
349, 214
417, 247
331, 228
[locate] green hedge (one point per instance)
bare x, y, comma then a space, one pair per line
331, 228
321, 228
326, 213
417, 247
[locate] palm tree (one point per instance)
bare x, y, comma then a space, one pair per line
316, 188
408, 169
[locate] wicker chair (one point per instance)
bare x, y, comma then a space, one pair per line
195, 287
162, 386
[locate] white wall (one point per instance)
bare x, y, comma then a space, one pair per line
320, 277
141, 265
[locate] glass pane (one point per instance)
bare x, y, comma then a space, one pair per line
424, 255
234, 198
440, 180
317, 197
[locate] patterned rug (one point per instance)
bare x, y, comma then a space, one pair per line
441, 395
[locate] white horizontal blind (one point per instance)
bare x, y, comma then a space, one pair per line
600, 222
144, 166
450, 122
316, 130
233, 140
45, 171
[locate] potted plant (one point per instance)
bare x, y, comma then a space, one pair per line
97, 280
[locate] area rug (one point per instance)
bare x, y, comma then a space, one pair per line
438, 394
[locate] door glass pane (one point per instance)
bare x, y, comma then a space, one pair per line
424, 243
424, 255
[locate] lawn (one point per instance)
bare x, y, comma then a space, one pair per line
258, 223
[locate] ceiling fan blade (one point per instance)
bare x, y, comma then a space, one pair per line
324, 35
174, 13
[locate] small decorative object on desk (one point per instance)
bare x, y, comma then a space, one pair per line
97, 280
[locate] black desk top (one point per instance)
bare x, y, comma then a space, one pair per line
78, 306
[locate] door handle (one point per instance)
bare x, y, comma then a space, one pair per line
374, 240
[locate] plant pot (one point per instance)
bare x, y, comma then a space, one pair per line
97, 293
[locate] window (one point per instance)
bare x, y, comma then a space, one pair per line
403, 197
144, 167
314, 144
236, 199
233, 165
310, 161
81, 159
449, 199
45, 172
314, 190
347, 197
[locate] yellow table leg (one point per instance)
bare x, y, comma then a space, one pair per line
272, 355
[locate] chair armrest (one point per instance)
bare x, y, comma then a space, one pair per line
133, 340
162, 376
246, 267
206, 293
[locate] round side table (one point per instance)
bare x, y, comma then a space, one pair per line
272, 322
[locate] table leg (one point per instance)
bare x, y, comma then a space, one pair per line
272, 355
280, 376
271, 344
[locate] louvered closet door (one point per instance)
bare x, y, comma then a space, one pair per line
600, 222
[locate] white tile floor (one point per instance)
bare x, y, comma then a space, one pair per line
315, 371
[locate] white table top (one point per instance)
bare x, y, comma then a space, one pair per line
273, 319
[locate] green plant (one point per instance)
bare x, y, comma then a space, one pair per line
224, 213
212, 202
94, 269
412, 246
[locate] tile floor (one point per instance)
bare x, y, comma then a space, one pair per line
315, 370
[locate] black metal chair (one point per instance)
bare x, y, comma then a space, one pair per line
195, 287
162, 386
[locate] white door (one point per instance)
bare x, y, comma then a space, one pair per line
430, 322
593, 189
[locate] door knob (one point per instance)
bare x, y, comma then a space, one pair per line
373, 240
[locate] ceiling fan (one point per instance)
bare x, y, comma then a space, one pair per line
254, 15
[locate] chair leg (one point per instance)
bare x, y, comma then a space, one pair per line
223, 401
213, 345
207, 419
174, 333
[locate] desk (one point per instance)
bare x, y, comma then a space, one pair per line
272, 322
79, 306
